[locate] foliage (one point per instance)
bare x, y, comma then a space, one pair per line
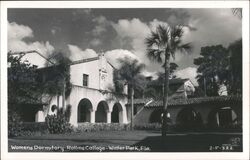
33, 129
154, 88
22, 81
235, 67
93, 127
14, 124
58, 72
219, 65
22, 88
161, 45
59, 123
212, 68
129, 73
148, 126
237, 12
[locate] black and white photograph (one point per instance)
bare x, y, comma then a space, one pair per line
125, 79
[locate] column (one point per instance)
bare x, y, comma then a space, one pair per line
40, 116
108, 117
92, 116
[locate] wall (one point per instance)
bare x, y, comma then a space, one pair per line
90, 68
204, 110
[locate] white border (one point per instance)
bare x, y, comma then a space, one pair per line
125, 4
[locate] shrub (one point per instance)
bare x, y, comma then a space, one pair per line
59, 123
14, 124
93, 127
34, 127
148, 126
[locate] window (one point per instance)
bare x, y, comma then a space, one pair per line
53, 108
85, 79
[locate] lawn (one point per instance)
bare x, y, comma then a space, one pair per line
128, 141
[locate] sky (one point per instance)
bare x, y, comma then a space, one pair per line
118, 33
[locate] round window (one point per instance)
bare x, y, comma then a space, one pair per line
53, 108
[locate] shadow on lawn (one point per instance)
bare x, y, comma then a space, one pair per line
193, 143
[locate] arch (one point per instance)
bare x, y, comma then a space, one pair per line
101, 112
189, 119
224, 117
155, 116
117, 113
53, 108
84, 108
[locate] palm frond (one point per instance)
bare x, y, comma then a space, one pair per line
177, 32
155, 55
164, 34
152, 40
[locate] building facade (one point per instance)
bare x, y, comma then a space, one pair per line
91, 98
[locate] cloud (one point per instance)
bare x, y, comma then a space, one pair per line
95, 42
16, 43
189, 72
18, 32
53, 31
113, 56
133, 33
213, 26
77, 53
101, 25
79, 12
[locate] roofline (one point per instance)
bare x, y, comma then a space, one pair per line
84, 60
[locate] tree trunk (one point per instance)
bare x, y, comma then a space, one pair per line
165, 96
63, 94
132, 108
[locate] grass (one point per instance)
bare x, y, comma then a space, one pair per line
136, 140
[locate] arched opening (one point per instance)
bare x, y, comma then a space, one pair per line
155, 116
101, 112
116, 115
84, 108
53, 108
224, 117
189, 119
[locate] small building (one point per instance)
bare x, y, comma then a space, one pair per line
220, 111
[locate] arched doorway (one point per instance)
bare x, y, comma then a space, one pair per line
224, 117
155, 116
189, 119
101, 112
84, 108
116, 115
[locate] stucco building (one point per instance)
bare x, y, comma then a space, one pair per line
92, 97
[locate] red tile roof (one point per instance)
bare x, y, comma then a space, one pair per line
188, 101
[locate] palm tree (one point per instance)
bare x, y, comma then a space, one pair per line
161, 45
130, 73
61, 78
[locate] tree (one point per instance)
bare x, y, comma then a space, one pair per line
22, 82
212, 69
58, 75
235, 67
154, 88
237, 12
22, 89
163, 44
130, 73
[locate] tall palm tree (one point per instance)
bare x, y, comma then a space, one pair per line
161, 45
130, 73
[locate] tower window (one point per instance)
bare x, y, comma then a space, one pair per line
85, 79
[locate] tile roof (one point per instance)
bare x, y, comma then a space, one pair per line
177, 81
84, 60
188, 101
